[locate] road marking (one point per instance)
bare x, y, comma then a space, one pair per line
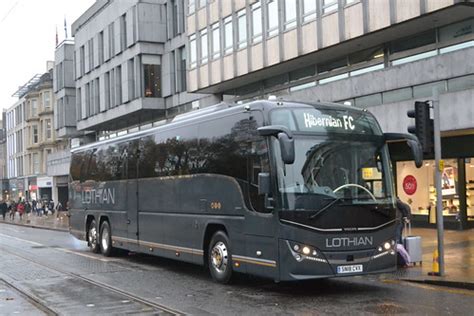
431, 287
82, 254
59, 249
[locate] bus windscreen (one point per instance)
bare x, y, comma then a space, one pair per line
326, 121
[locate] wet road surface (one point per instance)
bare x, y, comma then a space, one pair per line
58, 270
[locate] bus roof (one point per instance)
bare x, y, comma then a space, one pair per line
224, 109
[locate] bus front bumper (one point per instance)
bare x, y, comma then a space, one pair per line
297, 263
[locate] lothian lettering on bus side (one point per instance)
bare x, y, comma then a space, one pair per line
348, 242
98, 196
328, 121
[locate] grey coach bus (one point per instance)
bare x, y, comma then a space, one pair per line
277, 189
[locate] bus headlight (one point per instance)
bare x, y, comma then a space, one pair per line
386, 248
306, 250
302, 252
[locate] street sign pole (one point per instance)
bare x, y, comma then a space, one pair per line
439, 169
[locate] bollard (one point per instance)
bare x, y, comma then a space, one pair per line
435, 268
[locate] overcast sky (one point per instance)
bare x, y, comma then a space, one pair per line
28, 38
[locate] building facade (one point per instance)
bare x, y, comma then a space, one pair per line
15, 128
382, 55
130, 65
31, 139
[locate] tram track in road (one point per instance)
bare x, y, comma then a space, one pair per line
33, 300
124, 296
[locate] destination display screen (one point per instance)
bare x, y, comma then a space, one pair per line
325, 121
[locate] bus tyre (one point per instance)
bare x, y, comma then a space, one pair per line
105, 239
93, 236
220, 258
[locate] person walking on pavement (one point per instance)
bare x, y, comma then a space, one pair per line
404, 212
3, 209
12, 208
59, 208
21, 209
34, 208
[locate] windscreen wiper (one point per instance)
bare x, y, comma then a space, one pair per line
327, 206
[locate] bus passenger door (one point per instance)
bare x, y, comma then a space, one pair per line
260, 231
132, 194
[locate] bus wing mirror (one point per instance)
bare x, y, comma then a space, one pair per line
287, 148
285, 138
263, 183
274, 130
412, 142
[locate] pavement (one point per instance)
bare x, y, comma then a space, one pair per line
458, 252
458, 257
52, 222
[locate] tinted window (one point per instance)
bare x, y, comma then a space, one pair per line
224, 145
169, 153
109, 162
76, 166
258, 162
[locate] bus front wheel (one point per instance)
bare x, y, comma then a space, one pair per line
92, 237
105, 239
220, 258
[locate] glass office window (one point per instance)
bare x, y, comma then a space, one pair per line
290, 14
329, 6
308, 10
216, 41
228, 36
242, 28
203, 35
192, 51
256, 22
152, 82
272, 17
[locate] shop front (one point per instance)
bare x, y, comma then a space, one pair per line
45, 185
416, 186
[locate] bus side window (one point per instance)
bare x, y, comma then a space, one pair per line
132, 160
258, 162
77, 162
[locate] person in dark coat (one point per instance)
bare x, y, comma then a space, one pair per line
404, 212
3, 209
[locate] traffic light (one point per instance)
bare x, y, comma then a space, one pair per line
423, 128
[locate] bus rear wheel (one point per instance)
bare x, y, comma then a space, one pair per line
105, 239
92, 237
220, 258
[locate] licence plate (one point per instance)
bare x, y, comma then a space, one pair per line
349, 269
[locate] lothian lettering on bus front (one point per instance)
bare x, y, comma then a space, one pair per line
98, 196
349, 242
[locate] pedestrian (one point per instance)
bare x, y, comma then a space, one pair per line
40, 208
21, 209
12, 209
34, 207
59, 208
28, 208
404, 214
3, 209
50, 207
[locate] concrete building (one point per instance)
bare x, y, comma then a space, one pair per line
377, 54
130, 65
